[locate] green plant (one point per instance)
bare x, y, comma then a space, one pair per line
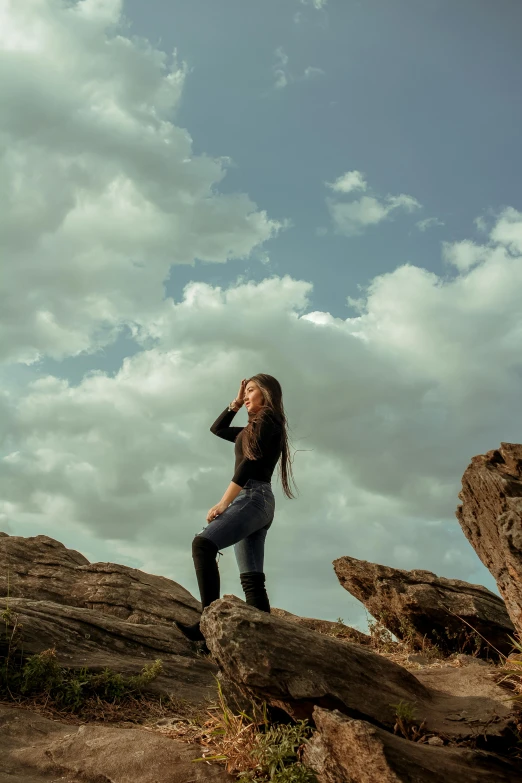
257, 750
405, 721
42, 675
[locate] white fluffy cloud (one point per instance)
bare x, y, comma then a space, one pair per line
346, 183
353, 217
464, 254
101, 192
432, 222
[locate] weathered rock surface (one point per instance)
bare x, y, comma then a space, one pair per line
491, 517
343, 749
85, 638
43, 569
324, 626
417, 604
296, 669
34, 749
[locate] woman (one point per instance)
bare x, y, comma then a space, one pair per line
245, 512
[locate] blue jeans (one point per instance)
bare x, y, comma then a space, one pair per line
245, 524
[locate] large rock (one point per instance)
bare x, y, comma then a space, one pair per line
34, 749
85, 638
43, 569
345, 749
418, 605
327, 627
491, 517
295, 669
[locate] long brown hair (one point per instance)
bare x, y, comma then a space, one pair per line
272, 404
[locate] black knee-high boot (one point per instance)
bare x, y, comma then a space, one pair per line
253, 584
207, 573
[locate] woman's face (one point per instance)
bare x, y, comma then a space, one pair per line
253, 397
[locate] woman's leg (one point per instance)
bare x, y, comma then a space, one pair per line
250, 557
247, 518
207, 573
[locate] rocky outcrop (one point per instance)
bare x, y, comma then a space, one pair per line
327, 627
104, 615
296, 669
85, 638
418, 605
345, 749
34, 749
40, 568
491, 517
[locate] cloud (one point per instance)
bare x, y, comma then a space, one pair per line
386, 409
346, 183
423, 225
506, 234
508, 230
283, 77
465, 254
102, 192
353, 217
317, 4
311, 72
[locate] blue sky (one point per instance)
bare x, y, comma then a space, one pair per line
325, 191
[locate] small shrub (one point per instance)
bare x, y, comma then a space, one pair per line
41, 674
405, 722
257, 751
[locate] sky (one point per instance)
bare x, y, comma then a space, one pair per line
195, 192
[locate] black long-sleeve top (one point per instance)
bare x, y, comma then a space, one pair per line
270, 446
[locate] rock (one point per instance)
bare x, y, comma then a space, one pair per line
422, 660
344, 749
491, 517
325, 626
415, 605
295, 669
40, 568
85, 638
34, 749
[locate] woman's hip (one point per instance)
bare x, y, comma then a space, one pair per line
253, 508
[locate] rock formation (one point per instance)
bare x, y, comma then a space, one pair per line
86, 638
296, 669
457, 722
419, 605
340, 630
34, 749
346, 749
43, 569
491, 517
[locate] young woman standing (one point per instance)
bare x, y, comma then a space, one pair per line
246, 511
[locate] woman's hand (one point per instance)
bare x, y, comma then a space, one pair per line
216, 511
241, 393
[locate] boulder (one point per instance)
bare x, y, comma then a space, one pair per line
491, 517
295, 669
34, 749
86, 638
418, 605
41, 568
346, 749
